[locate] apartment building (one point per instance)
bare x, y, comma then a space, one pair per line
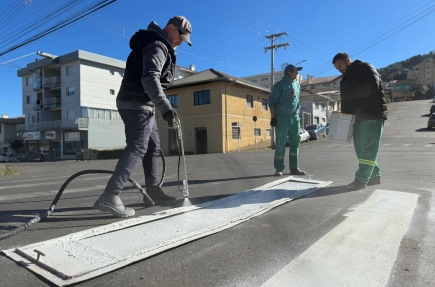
8, 131
217, 113
319, 98
425, 70
69, 103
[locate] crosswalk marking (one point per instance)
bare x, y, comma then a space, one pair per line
360, 251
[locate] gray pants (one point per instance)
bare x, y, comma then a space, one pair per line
143, 144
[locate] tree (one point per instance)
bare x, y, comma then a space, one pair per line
418, 86
16, 144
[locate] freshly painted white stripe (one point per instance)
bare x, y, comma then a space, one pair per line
89, 253
360, 251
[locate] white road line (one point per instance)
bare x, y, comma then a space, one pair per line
331, 146
429, 145
49, 192
50, 183
386, 144
360, 251
349, 145
407, 145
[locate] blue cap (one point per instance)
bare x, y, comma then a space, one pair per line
290, 68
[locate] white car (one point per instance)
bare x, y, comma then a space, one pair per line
6, 158
305, 136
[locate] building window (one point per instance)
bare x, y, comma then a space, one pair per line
316, 106
69, 70
70, 91
257, 132
235, 131
70, 116
416, 69
323, 107
303, 105
249, 101
264, 104
323, 120
173, 100
112, 91
254, 80
27, 99
316, 120
29, 81
121, 74
112, 72
268, 133
265, 79
201, 97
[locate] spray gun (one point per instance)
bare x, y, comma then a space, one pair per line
185, 188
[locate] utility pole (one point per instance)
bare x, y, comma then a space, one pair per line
274, 47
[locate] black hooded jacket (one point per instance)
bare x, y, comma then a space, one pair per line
149, 69
362, 93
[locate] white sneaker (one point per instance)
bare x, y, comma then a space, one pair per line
278, 173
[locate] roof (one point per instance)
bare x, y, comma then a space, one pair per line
18, 120
211, 76
79, 54
315, 81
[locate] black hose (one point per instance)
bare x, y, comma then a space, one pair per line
50, 210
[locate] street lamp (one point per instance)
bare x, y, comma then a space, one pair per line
301, 62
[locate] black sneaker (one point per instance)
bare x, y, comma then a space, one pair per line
356, 185
297, 171
158, 196
374, 181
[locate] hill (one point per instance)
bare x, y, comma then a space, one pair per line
399, 70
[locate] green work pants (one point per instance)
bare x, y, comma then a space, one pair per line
287, 127
366, 140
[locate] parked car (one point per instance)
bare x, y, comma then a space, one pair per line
316, 131
30, 156
6, 158
432, 110
305, 136
431, 122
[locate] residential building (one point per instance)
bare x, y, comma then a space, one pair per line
69, 103
326, 100
401, 91
8, 132
425, 70
217, 114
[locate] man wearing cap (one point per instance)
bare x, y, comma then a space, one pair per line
150, 69
284, 109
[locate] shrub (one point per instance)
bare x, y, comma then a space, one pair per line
8, 170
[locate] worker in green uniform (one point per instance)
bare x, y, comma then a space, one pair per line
362, 95
284, 110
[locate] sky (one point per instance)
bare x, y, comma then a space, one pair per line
227, 35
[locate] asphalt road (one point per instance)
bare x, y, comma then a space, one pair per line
251, 253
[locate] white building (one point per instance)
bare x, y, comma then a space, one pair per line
69, 103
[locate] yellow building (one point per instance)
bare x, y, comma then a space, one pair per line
424, 70
217, 113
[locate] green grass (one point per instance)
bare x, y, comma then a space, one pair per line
8, 170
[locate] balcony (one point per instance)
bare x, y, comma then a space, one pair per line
52, 83
77, 124
37, 85
51, 103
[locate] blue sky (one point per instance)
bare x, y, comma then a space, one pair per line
228, 35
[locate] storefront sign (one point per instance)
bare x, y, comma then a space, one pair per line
50, 135
21, 136
33, 136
